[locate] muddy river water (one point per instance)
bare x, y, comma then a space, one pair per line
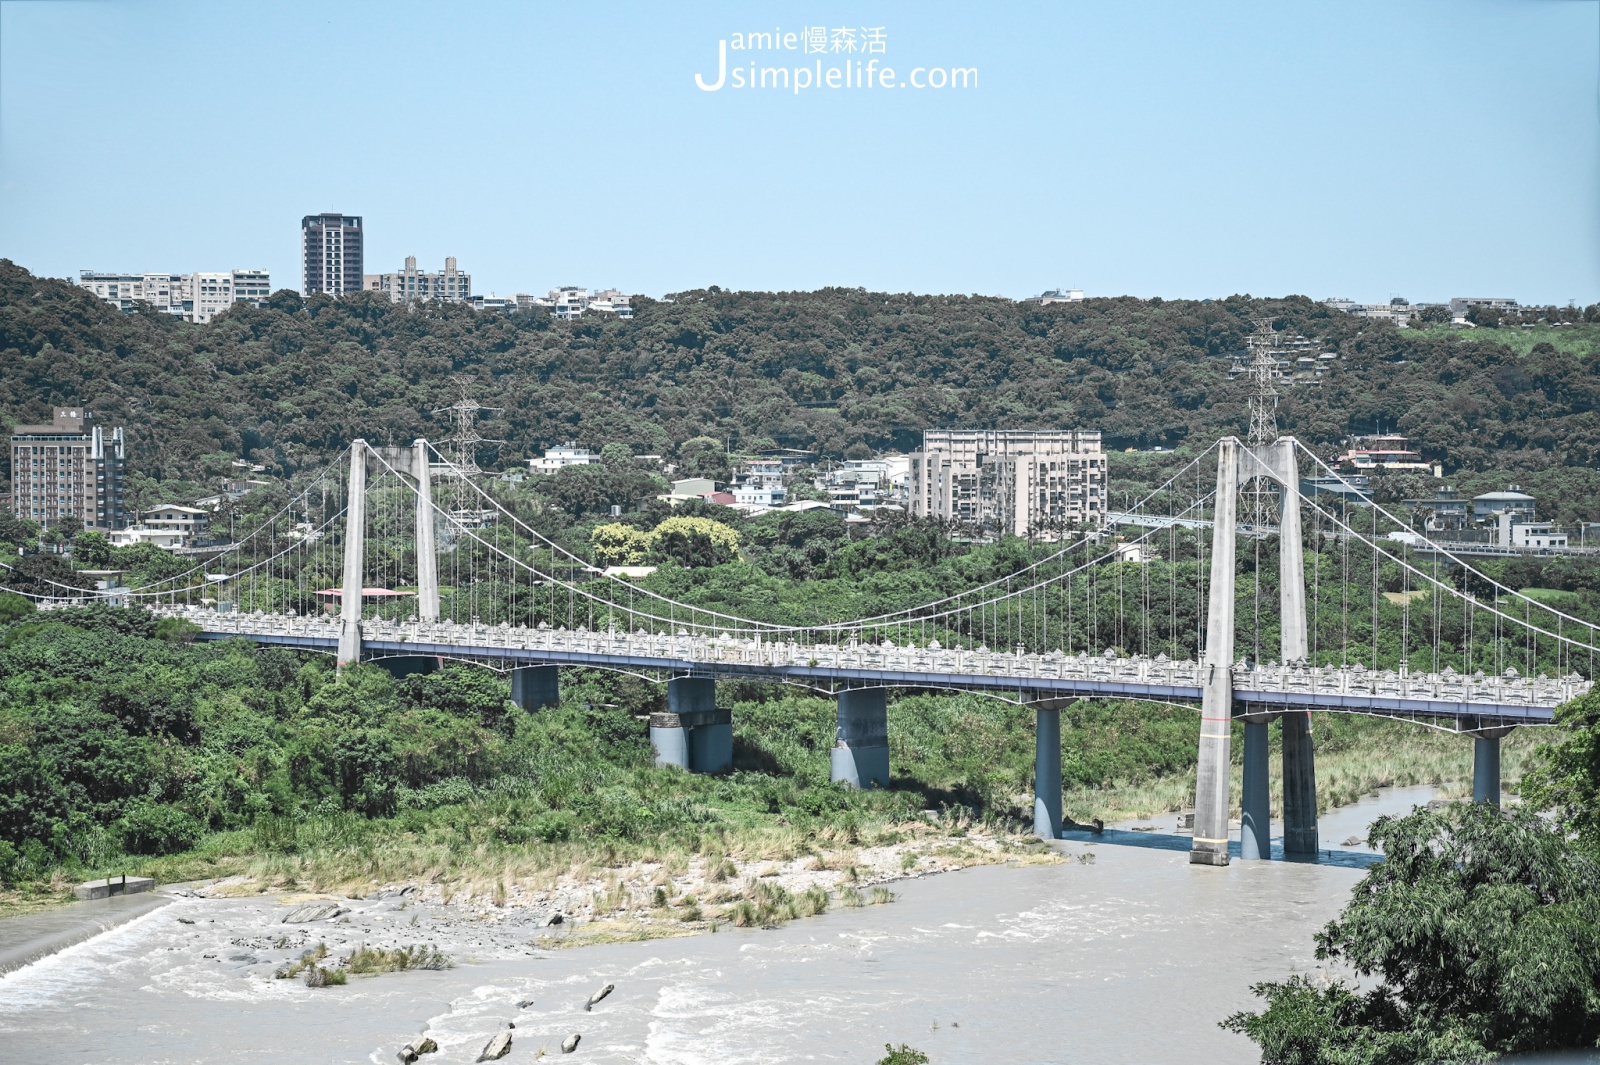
1124, 953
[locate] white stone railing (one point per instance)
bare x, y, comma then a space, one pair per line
726, 650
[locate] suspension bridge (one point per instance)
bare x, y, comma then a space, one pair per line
399, 555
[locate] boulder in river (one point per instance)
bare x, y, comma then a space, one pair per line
570, 1043
554, 919
313, 911
496, 1048
525, 1003
598, 995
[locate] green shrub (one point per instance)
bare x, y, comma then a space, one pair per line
157, 828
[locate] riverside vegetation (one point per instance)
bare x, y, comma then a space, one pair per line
125, 748
1478, 935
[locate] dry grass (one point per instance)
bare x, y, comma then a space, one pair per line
1399, 756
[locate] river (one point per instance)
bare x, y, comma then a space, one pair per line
1124, 953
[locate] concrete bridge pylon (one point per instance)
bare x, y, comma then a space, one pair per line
1239, 464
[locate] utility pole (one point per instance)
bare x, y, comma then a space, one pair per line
465, 441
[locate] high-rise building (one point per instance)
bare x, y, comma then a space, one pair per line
68, 469
412, 284
1011, 482
332, 253
194, 297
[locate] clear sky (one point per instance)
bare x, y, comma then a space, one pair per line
1360, 149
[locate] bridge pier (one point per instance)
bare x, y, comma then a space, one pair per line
693, 734
1299, 785
1047, 774
860, 756
536, 687
1486, 765
1255, 821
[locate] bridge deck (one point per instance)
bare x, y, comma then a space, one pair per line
1052, 675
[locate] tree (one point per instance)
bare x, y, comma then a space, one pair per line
694, 542
701, 456
616, 544
91, 549
902, 1055
14, 607
1566, 775
1481, 931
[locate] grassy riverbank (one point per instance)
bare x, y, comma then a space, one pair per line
123, 750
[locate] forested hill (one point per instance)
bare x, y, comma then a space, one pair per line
839, 370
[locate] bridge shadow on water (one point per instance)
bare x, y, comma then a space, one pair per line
1172, 841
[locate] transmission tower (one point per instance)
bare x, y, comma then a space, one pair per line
464, 442
1264, 348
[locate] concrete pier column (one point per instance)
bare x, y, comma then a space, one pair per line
1299, 785
355, 527
1047, 774
670, 740
1486, 765
536, 687
1210, 845
427, 556
1486, 769
693, 733
1255, 822
860, 756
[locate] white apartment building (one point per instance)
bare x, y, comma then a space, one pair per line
196, 297
450, 285
1011, 482
1055, 295
570, 301
560, 457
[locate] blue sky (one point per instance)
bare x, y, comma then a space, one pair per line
1424, 149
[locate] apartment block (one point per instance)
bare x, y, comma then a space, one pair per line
1011, 482
196, 297
332, 253
450, 285
68, 469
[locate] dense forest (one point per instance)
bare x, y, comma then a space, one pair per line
839, 371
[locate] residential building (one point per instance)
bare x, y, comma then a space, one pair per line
450, 285
1513, 501
70, 468
1016, 482
491, 302
1447, 510
560, 457
188, 521
332, 253
1353, 488
1460, 305
1055, 295
1383, 453
570, 301
196, 297
1514, 532
165, 539
760, 495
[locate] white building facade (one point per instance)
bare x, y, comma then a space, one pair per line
1011, 482
196, 297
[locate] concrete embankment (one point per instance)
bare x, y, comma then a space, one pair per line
26, 939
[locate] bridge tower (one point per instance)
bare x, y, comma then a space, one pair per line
1238, 464
355, 527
